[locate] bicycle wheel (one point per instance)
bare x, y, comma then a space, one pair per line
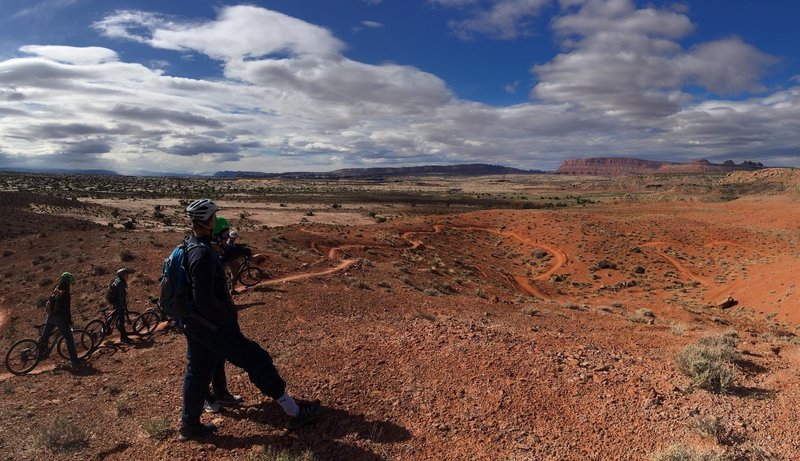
146, 323
250, 276
97, 329
130, 318
84, 344
23, 356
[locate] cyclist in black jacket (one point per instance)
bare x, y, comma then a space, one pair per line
213, 332
59, 315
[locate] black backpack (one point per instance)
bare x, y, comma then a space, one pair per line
111, 293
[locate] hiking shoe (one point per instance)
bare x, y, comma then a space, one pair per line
126, 340
229, 400
210, 406
309, 412
197, 431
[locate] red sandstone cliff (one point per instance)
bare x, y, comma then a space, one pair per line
615, 166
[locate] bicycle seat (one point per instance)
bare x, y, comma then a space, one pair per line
40, 325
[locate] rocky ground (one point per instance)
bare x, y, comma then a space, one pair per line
489, 335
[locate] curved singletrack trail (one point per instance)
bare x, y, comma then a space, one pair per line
522, 281
683, 270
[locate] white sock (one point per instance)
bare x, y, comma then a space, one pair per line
289, 406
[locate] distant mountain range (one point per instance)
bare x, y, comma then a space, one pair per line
616, 166
475, 169
62, 171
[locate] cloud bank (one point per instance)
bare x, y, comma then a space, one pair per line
290, 99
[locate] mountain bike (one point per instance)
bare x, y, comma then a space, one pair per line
247, 274
102, 327
25, 354
149, 320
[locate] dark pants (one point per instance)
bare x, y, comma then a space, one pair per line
205, 349
120, 321
54, 321
219, 382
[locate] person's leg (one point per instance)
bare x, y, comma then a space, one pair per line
219, 382
251, 358
120, 323
219, 388
46, 332
201, 361
66, 331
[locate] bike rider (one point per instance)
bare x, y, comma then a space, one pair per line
59, 315
119, 301
213, 332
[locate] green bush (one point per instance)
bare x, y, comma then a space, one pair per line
710, 362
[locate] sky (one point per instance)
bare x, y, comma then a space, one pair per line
190, 86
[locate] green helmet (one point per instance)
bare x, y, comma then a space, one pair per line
68, 277
221, 224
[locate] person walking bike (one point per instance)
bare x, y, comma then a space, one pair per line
59, 316
117, 296
212, 332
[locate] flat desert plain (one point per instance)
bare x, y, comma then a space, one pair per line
518, 318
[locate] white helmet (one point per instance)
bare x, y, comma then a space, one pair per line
201, 210
233, 234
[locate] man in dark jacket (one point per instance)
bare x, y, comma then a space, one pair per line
118, 292
59, 315
213, 332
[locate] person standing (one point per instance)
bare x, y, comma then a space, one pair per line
59, 316
212, 332
118, 297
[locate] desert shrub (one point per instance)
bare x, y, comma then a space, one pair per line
335, 205
606, 264
45, 282
711, 427
7, 253
681, 453
431, 292
309, 213
481, 294
380, 219
63, 435
99, 270
124, 408
710, 362
262, 453
129, 224
126, 255
158, 428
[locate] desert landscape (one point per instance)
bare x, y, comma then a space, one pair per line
502, 317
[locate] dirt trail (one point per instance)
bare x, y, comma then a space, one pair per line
524, 282
683, 270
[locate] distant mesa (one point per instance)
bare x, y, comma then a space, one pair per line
474, 169
617, 166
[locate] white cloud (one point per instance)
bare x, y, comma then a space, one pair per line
372, 24
72, 54
293, 101
502, 19
627, 62
239, 32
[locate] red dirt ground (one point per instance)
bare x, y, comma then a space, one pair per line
486, 335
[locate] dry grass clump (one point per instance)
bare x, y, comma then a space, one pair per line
710, 362
63, 435
681, 453
262, 453
158, 428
